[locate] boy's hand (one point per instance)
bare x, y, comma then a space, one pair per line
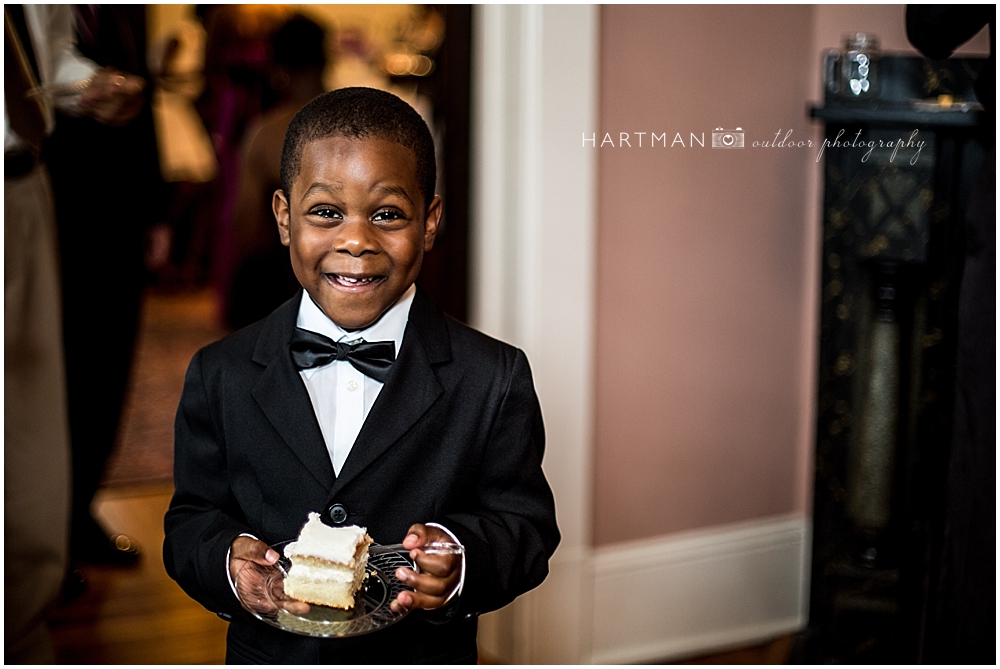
248, 549
244, 553
440, 574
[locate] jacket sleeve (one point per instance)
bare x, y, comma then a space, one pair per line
66, 64
512, 534
203, 518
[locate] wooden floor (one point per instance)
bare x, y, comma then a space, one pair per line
136, 615
772, 652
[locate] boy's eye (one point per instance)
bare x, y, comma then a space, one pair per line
387, 215
325, 212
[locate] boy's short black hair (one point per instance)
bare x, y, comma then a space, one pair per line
360, 113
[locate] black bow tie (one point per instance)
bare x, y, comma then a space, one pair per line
373, 359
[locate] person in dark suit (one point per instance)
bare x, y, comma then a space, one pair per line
302, 412
103, 261
40, 50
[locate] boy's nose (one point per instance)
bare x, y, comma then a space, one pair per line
356, 237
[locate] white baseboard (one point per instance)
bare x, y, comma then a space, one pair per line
660, 599
701, 591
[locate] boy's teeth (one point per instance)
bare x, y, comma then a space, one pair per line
348, 279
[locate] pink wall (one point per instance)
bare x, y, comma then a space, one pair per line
702, 258
707, 261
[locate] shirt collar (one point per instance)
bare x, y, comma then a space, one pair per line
390, 327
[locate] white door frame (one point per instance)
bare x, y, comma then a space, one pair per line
533, 232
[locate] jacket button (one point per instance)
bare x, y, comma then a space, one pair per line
338, 514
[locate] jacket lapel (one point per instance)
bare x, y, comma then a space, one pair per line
281, 395
411, 389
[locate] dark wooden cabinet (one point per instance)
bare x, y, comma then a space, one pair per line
897, 177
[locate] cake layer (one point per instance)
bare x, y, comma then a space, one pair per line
328, 564
321, 582
338, 595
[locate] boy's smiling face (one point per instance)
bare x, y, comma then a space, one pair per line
356, 225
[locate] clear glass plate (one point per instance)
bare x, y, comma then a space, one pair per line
262, 592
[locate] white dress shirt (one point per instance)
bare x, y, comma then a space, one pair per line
342, 396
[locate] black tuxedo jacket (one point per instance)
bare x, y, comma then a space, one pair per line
455, 437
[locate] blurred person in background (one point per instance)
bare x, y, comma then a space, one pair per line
187, 159
966, 615
104, 252
263, 278
43, 71
237, 55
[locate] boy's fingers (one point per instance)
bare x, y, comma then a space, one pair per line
427, 584
439, 573
415, 600
416, 536
292, 606
438, 565
403, 602
420, 535
253, 550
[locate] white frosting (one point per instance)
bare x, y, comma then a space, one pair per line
335, 544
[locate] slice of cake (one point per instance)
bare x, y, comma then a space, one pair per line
328, 563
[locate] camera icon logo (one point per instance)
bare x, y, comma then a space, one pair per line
727, 139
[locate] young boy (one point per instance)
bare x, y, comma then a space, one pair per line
438, 438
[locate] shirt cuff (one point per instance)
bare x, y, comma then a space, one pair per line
461, 582
229, 574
